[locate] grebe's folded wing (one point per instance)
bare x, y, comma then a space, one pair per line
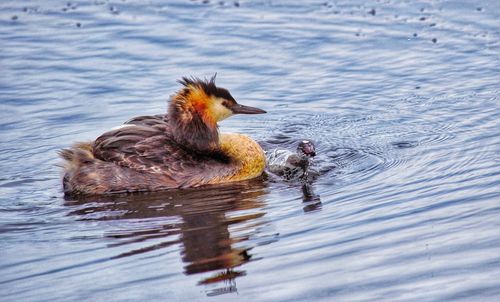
150, 150
125, 146
148, 120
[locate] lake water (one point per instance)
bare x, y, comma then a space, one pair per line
400, 97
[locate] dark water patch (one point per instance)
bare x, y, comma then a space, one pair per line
404, 145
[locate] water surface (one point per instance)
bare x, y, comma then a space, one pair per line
401, 99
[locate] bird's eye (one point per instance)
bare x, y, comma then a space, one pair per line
226, 103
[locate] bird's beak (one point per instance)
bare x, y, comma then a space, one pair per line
242, 109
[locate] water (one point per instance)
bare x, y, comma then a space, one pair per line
401, 99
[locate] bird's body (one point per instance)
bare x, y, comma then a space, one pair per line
291, 165
180, 149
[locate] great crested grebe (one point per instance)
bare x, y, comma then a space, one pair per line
180, 149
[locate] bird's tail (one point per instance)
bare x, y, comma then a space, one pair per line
75, 157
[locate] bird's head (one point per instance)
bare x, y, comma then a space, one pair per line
211, 103
306, 148
195, 110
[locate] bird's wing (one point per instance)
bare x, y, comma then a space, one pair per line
149, 120
147, 147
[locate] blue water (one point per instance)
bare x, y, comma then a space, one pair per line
400, 97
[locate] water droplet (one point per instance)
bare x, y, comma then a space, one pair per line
114, 10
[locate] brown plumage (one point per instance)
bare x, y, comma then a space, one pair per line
180, 149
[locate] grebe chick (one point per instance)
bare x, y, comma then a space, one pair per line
291, 165
180, 149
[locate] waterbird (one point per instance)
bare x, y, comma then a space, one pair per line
182, 148
291, 165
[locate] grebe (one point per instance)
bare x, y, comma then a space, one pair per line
180, 149
291, 165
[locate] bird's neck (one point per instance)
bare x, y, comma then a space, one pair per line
191, 129
245, 153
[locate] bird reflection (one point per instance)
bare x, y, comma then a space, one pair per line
199, 219
311, 200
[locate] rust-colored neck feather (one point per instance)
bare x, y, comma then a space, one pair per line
190, 121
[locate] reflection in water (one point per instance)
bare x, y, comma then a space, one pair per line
200, 219
312, 201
